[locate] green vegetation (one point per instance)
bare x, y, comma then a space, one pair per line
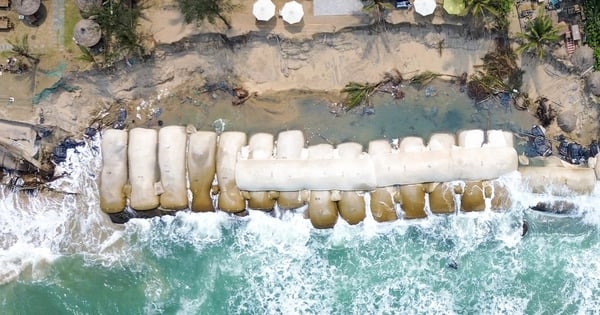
499, 73
71, 18
490, 14
591, 8
118, 20
20, 46
538, 34
358, 93
210, 10
377, 9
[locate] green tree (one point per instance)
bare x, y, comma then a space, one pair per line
210, 10
118, 20
539, 33
21, 48
377, 8
482, 8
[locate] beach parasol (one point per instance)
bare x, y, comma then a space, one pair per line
26, 7
263, 10
87, 33
86, 5
292, 12
425, 7
455, 7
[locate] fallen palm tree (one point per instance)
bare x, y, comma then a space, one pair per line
498, 74
358, 94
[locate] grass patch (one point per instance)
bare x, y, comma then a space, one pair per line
72, 16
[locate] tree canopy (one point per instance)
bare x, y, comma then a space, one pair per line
209, 10
539, 33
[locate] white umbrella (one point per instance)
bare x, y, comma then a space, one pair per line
292, 12
263, 10
425, 7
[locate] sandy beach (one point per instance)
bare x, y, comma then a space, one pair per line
323, 53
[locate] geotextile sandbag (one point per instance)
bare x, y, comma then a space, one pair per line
172, 142
143, 168
202, 165
228, 149
113, 176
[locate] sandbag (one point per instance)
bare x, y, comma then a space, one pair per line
113, 176
261, 147
483, 163
172, 141
441, 142
382, 204
413, 201
294, 175
202, 165
352, 207
351, 204
230, 196
557, 180
407, 168
471, 139
473, 197
322, 210
499, 138
143, 168
349, 150
290, 145
441, 198
411, 144
261, 200
500, 196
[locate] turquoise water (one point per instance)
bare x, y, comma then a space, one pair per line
60, 255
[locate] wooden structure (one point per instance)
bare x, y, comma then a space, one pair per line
4, 4
18, 145
5, 23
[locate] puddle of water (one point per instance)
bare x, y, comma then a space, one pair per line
447, 110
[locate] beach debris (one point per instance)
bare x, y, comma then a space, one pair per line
544, 112
219, 125
121, 117
537, 143
499, 73
574, 152
368, 111
524, 228
429, 91
59, 153
240, 95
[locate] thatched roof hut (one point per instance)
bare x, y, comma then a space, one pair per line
86, 5
26, 7
87, 33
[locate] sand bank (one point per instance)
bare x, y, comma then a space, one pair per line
309, 58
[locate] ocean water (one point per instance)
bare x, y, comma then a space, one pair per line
60, 255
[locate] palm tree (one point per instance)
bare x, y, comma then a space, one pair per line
539, 33
21, 48
481, 8
210, 10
